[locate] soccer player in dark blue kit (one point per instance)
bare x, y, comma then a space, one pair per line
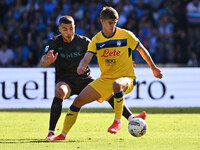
66, 50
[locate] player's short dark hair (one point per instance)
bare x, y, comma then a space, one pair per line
109, 13
66, 20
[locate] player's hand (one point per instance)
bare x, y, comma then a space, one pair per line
80, 70
50, 57
134, 64
157, 73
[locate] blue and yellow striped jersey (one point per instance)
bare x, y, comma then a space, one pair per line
114, 54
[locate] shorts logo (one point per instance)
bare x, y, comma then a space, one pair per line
110, 62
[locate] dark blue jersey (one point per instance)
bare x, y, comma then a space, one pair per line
69, 55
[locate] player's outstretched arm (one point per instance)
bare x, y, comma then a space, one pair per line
48, 59
84, 63
146, 56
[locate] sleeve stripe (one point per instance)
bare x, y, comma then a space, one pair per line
90, 52
137, 45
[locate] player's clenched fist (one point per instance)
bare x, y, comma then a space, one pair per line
157, 73
80, 70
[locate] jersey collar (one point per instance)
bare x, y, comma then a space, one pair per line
109, 36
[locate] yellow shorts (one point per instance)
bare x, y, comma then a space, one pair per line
105, 87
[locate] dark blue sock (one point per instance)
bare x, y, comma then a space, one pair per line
74, 108
56, 109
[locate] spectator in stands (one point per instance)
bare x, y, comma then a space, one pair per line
132, 24
193, 61
32, 3
166, 30
21, 53
6, 55
181, 47
193, 6
193, 15
49, 7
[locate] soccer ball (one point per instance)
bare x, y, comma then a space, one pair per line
137, 127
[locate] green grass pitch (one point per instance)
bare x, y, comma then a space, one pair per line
175, 129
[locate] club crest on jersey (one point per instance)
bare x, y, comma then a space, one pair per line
78, 48
119, 43
46, 48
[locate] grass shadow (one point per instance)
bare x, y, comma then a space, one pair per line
14, 141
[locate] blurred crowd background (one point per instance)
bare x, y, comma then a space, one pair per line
169, 29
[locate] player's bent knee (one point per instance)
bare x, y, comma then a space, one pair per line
60, 93
117, 86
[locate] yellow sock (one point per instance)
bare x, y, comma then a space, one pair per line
118, 107
70, 119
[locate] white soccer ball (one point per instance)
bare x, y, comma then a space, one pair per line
137, 127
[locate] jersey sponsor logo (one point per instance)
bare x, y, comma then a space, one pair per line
110, 53
110, 62
71, 55
46, 48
